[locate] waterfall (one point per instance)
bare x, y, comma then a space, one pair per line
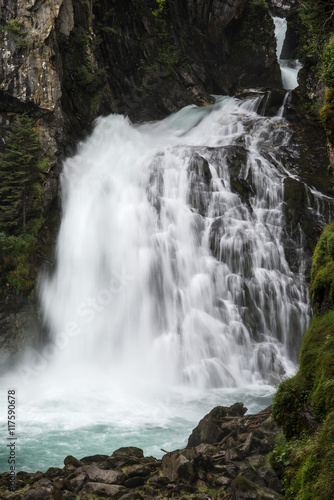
289, 67
162, 267
171, 291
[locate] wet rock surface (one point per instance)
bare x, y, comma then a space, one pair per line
225, 459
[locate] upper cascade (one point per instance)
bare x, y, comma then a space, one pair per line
289, 67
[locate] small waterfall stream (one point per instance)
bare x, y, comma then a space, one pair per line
289, 67
171, 292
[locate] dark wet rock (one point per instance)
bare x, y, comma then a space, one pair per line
215, 426
67, 495
199, 186
53, 472
291, 44
94, 473
125, 456
244, 489
236, 158
38, 494
241, 187
72, 461
177, 467
200, 167
139, 469
94, 459
78, 482
134, 482
159, 481
281, 8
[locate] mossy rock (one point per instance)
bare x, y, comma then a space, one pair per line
289, 402
322, 273
70, 460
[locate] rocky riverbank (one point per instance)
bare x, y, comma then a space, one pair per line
226, 458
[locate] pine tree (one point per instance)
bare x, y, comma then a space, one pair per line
20, 172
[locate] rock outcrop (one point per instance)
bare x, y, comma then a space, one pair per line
225, 459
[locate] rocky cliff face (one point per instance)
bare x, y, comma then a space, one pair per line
66, 61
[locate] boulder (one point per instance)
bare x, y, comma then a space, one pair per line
125, 456
177, 467
70, 460
104, 490
94, 473
216, 425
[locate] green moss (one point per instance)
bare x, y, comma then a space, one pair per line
242, 484
322, 272
328, 63
304, 405
323, 286
327, 114
310, 471
290, 399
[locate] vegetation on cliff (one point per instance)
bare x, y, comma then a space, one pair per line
314, 25
21, 194
304, 404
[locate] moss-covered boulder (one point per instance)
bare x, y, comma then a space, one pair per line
215, 425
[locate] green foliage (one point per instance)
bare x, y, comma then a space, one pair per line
21, 195
17, 28
20, 175
13, 26
280, 456
328, 63
322, 273
161, 7
108, 29
327, 114
87, 79
16, 261
290, 400
304, 405
313, 31
167, 53
255, 26
310, 471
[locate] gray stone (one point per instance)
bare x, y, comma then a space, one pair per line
176, 466
38, 494
113, 491
94, 473
137, 470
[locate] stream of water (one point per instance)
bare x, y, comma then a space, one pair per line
289, 67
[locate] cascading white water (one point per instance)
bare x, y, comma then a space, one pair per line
178, 312
289, 67
171, 284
